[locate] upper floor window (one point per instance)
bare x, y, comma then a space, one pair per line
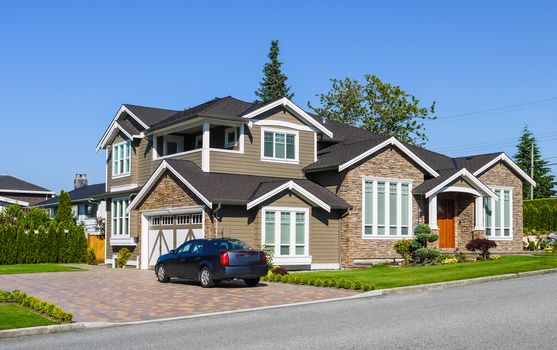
280, 145
499, 215
172, 144
230, 137
387, 208
121, 158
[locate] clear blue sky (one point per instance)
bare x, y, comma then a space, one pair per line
65, 67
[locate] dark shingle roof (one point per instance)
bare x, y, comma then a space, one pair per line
78, 195
430, 184
242, 189
10, 183
150, 115
473, 163
129, 127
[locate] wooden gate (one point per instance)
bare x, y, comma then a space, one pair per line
97, 244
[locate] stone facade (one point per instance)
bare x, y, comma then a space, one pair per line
389, 163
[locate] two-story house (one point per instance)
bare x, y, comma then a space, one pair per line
320, 194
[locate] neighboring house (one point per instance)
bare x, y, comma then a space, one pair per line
321, 194
85, 209
22, 193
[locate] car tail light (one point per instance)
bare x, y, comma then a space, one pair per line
264, 257
224, 259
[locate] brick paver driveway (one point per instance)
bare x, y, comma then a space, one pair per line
118, 295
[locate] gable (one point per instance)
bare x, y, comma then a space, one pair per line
501, 174
168, 192
280, 116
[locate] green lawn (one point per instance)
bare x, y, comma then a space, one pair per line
32, 268
390, 277
14, 316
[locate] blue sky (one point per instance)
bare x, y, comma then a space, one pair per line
65, 67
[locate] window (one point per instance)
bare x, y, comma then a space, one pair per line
199, 141
280, 145
120, 220
196, 218
154, 221
182, 219
167, 220
87, 210
498, 215
387, 208
184, 248
172, 144
121, 158
286, 231
230, 137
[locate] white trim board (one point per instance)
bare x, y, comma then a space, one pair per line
467, 175
294, 187
394, 142
290, 106
113, 125
509, 161
25, 191
152, 180
13, 201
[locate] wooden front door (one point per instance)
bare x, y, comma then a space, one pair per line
445, 221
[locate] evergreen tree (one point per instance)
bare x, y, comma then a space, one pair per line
64, 215
545, 182
273, 85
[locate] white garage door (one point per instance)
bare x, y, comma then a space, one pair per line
168, 232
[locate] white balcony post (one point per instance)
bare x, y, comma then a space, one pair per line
479, 214
433, 212
205, 152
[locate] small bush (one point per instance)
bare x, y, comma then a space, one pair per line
123, 257
531, 246
461, 257
279, 271
426, 255
90, 258
403, 248
481, 244
446, 260
495, 257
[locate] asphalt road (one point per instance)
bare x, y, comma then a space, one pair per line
513, 314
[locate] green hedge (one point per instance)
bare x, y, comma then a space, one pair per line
53, 245
43, 307
318, 282
540, 214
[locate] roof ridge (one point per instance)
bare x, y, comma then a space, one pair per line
478, 155
165, 109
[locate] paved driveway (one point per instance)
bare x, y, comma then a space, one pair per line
117, 295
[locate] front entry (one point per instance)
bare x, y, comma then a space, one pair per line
445, 222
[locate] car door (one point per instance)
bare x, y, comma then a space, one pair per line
177, 267
194, 258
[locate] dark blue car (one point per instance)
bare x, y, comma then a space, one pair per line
211, 261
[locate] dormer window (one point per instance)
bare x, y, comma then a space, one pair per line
121, 158
280, 146
230, 137
172, 144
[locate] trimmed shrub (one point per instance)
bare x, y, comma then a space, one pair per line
403, 249
540, 214
482, 245
43, 307
123, 257
91, 259
279, 271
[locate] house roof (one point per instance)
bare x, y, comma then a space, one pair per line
14, 185
78, 195
236, 188
150, 115
475, 162
447, 177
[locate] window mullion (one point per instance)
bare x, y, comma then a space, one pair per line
374, 212
278, 238
387, 208
399, 208
293, 232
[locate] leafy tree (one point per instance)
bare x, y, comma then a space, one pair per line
542, 173
273, 85
376, 106
64, 214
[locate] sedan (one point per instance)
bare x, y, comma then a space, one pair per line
211, 261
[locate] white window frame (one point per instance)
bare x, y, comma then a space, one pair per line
167, 220
179, 140
292, 258
197, 218
154, 221
228, 131
285, 132
374, 214
117, 172
115, 229
501, 225
182, 219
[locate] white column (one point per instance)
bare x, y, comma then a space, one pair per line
433, 212
479, 214
205, 153
241, 138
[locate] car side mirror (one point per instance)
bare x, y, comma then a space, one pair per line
173, 251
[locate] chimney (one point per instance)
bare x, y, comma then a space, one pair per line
80, 181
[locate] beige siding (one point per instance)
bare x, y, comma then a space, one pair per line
324, 237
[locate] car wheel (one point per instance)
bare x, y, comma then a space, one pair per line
162, 275
252, 282
206, 278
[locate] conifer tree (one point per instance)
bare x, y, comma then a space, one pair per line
273, 85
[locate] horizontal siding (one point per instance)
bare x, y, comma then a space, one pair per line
324, 237
236, 223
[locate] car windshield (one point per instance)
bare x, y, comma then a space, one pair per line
231, 245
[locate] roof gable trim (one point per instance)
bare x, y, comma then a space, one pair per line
152, 180
509, 161
13, 201
292, 107
114, 125
394, 142
474, 181
294, 187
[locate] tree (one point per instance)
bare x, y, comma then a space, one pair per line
376, 106
545, 182
64, 214
273, 85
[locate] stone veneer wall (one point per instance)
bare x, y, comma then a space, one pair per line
389, 163
502, 175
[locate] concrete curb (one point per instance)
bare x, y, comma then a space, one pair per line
59, 328
20, 332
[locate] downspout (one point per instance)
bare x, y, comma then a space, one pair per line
215, 218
